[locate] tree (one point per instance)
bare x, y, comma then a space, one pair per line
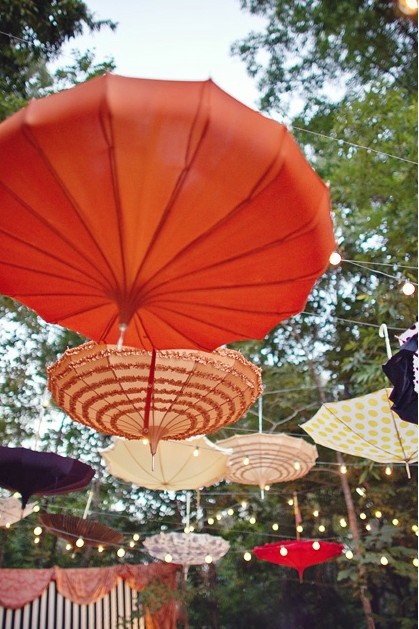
318, 49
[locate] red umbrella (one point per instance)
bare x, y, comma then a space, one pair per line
41, 473
164, 207
299, 554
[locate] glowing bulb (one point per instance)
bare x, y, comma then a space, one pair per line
343, 523
246, 460
8, 525
300, 529
191, 529
349, 554
297, 466
247, 556
388, 470
408, 289
335, 258
135, 537
186, 529
267, 487
211, 520
395, 522
415, 528
360, 491
100, 549
343, 469
415, 562
363, 516
384, 560
408, 7
80, 542
145, 441
378, 514
131, 544
37, 530
68, 547
168, 557
322, 528
316, 513
368, 527
252, 520
218, 516
36, 508
230, 511
316, 545
36, 540
208, 559
196, 451
120, 552
244, 504
291, 502
275, 526
283, 551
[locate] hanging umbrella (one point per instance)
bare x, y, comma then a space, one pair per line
299, 554
187, 549
41, 473
11, 511
73, 528
264, 459
189, 464
171, 394
167, 209
365, 426
402, 371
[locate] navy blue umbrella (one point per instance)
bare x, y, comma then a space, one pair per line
401, 370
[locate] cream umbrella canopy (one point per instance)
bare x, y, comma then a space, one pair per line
264, 459
178, 465
367, 427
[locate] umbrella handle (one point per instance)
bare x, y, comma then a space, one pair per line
383, 333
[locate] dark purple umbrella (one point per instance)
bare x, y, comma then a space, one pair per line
402, 371
44, 473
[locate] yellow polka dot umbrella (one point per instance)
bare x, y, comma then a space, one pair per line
366, 427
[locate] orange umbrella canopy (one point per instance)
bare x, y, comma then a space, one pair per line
169, 394
165, 207
264, 458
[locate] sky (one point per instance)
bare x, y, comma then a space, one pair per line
175, 39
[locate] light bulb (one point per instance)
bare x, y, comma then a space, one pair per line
395, 522
210, 520
299, 529
145, 441
291, 502
316, 545
283, 551
267, 487
297, 466
275, 526
8, 525
335, 258
408, 289
68, 547
322, 528
363, 516
36, 540
343, 469
135, 537
368, 527
244, 504
415, 562
252, 520
168, 557
384, 560
316, 513
131, 544
349, 554
80, 542
388, 470
247, 556
120, 552
36, 508
208, 559
186, 529
361, 491
378, 514
408, 7
100, 549
230, 511
246, 460
343, 523
218, 516
37, 530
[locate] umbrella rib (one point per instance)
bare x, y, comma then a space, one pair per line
71, 243
393, 419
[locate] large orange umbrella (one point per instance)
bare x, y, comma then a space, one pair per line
164, 207
168, 394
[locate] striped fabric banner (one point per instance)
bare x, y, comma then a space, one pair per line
53, 611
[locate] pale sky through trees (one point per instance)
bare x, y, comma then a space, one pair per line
175, 39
